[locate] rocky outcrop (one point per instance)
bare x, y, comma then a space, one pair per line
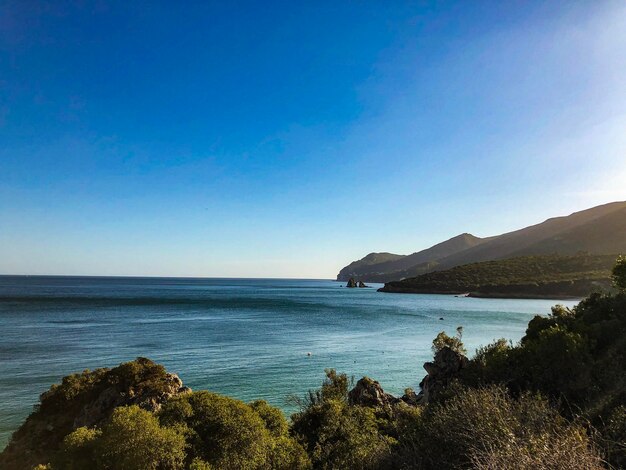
410, 397
87, 399
149, 399
352, 283
368, 392
445, 367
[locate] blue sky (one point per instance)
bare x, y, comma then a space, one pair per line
286, 139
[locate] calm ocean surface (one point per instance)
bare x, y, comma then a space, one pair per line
247, 338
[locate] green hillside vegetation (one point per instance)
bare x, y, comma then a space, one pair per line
556, 400
600, 230
541, 276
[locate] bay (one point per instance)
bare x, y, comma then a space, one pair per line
247, 338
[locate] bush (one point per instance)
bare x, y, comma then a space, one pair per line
574, 356
274, 419
453, 342
228, 434
131, 440
199, 464
490, 364
340, 436
613, 438
485, 427
79, 449
619, 273
566, 449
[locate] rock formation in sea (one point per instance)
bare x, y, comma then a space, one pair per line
352, 283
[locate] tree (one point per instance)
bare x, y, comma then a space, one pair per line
619, 273
131, 439
224, 433
337, 435
79, 449
453, 342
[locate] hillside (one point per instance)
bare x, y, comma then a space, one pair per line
599, 230
606, 234
367, 264
547, 276
377, 267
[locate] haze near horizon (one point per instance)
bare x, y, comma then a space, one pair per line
287, 140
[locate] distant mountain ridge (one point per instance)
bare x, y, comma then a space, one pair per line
599, 230
376, 267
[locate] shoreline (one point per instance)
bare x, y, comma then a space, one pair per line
484, 295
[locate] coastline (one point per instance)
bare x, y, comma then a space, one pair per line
483, 295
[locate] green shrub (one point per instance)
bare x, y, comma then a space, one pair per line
483, 427
79, 449
490, 364
199, 464
342, 436
339, 436
453, 342
619, 273
334, 387
274, 419
131, 439
288, 454
228, 434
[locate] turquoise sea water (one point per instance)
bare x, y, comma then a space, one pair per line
247, 338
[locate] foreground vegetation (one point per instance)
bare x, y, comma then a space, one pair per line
556, 400
526, 276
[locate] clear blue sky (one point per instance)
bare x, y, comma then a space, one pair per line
286, 139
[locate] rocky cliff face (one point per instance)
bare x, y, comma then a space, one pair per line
95, 412
87, 399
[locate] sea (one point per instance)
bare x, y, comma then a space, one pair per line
250, 339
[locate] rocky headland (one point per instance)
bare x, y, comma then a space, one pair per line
87, 400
